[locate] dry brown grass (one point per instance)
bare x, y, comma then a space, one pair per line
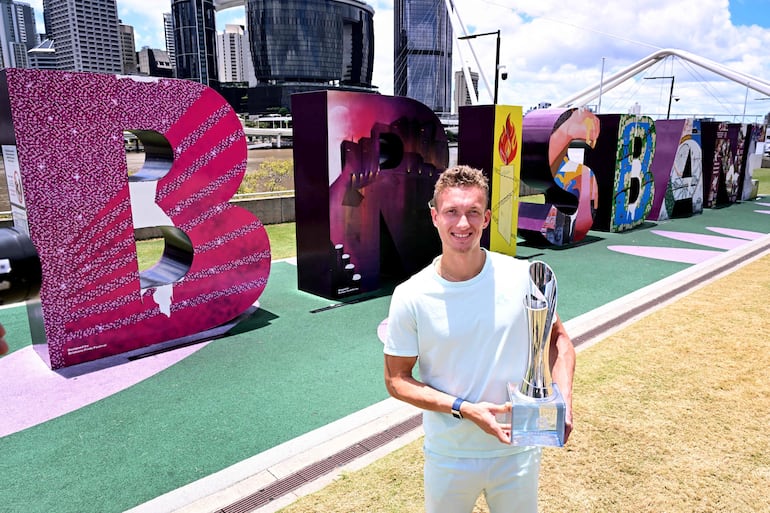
671, 416
673, 411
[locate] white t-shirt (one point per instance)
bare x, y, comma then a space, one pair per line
470, 338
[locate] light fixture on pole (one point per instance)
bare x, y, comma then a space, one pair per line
670, 93
498, 69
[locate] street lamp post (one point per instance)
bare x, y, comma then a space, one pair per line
670, 93
497, 57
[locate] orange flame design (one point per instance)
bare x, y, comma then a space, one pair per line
508, 145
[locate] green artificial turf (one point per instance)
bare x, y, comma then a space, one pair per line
282, 373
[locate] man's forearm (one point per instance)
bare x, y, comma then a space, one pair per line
562, 361
403, 386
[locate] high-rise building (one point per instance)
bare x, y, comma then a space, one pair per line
462, 93
232, 48
305, 45
43, 56
295, 46
27, 25
154, 62
128, 49
168, 32
18, 33
423, 52
86, 34
195, 38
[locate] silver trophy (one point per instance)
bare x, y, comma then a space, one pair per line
537, 406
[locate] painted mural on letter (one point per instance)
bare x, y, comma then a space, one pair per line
571, 193
365, 166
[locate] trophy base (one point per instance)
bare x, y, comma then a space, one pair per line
538, 422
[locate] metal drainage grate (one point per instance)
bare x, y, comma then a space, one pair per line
314, 471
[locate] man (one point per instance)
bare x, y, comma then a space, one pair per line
462, 318
3, 344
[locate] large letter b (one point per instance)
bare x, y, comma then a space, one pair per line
67, 129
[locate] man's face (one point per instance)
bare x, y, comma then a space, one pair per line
460, 215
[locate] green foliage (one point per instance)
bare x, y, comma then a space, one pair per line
270, 176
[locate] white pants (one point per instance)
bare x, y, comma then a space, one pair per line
509, 484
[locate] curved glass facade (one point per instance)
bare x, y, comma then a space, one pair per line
423, 53
329, 42
195, 40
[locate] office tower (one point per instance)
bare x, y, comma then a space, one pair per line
230, 54
462, 93
43, 56
128, 49
86, 34
27, 25
195, 40
18, 33
423, 52
154, 62
168, 32
308, 45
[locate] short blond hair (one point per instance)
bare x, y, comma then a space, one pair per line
460, 176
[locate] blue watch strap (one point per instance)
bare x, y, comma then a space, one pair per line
456, 408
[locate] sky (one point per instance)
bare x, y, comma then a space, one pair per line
553, 49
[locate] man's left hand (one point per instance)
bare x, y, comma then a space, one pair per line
484, 415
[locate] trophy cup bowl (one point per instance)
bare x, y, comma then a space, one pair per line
537, 406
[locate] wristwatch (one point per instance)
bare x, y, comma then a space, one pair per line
456, 408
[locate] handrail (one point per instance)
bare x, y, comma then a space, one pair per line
580, 99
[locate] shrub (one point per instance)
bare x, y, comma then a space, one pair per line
271, 175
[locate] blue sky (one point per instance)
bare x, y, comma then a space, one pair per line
553, 49
750, 12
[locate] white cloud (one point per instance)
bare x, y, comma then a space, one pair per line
382, 75
553, 50
147, 20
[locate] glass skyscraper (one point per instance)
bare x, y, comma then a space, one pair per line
305, 45
423, 53
296, 46
195, 40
